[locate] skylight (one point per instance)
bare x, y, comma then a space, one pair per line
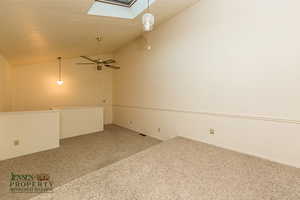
127, 9
126, 3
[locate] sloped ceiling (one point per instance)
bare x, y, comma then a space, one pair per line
36, 31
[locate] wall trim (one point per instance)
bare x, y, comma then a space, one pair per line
227, 115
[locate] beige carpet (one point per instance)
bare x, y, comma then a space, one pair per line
76, 157
182, 169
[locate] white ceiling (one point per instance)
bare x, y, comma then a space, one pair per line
35, 31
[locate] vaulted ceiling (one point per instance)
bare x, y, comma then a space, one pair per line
35, 31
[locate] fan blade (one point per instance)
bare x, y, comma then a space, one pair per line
87, 58
113, 67
85, 63
109, 61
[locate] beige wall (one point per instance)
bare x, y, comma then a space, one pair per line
229, 65
35, 86
5, 85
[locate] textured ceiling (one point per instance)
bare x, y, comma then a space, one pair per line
35, 31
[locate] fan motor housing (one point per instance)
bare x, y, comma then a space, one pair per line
99, 68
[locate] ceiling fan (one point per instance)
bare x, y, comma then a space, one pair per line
99, 63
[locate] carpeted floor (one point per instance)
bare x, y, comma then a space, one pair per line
76, 157
182, 169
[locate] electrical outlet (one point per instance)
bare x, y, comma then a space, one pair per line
211, 131
130, 122
16, 142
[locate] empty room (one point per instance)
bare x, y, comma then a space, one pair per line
149, 100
